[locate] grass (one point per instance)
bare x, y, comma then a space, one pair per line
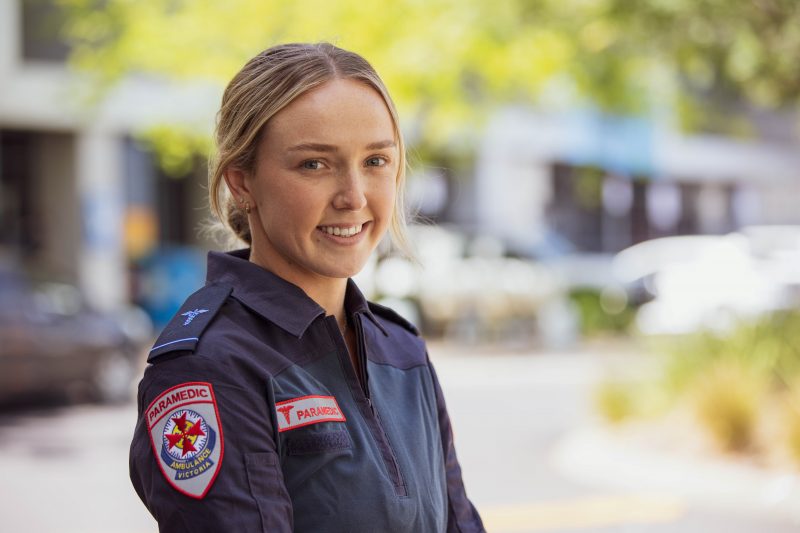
726, 401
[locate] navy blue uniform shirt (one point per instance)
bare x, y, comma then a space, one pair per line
252, 418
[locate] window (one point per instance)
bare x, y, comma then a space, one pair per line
42, 31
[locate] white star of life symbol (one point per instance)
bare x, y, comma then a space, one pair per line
191, 314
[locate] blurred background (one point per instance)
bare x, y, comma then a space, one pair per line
607, 196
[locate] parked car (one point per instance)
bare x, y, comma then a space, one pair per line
52, 345
711, 281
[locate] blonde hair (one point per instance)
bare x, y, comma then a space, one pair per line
265, 85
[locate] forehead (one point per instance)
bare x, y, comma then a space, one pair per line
338, 112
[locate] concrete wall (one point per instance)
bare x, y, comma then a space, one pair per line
54, 174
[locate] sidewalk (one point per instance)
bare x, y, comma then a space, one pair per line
602, 456
572, 472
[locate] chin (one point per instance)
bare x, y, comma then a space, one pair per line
342, 273
341, 269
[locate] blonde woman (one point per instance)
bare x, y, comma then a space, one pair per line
278, 399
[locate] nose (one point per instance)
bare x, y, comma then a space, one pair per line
351, 192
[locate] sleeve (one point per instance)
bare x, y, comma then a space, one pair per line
207, 466
462, 517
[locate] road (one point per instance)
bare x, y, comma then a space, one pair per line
520, 423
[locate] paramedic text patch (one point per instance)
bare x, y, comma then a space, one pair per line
306, 410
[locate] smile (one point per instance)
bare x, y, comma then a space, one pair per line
340, 231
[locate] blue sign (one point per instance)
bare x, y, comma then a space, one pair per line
167, 278
619, 144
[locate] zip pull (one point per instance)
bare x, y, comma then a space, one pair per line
361, 355
371, 407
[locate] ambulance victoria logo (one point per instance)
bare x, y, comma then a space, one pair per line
188, 444
186, 436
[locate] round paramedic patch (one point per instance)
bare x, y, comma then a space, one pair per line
185, 431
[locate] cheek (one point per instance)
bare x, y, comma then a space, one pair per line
282, 201
384, 198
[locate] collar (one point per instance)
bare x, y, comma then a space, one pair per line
274, 298
356, 304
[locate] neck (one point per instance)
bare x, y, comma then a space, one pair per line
327, 292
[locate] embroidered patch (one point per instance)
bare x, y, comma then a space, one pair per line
191, 314
307, 410
185, 431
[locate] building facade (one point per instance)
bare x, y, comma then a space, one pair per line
587, 182
81, 200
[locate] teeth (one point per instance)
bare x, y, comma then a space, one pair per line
342, 232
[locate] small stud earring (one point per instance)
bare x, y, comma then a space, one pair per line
247, 207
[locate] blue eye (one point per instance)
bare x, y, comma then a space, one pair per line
311, 164
376, 162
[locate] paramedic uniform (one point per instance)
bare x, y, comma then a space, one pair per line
252, 418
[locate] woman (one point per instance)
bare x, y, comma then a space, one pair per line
279, 399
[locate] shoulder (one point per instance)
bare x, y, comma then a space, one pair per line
183, 332
400, 344
214, 332
389, 318
187, 352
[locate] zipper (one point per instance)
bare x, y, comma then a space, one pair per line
361, 356
364, 402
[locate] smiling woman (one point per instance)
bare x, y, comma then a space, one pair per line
332, 152
287, 402
272, 81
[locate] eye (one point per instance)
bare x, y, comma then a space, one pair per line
311, 164
376, 161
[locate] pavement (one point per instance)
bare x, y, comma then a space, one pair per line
569, 471
603, 457
535, 459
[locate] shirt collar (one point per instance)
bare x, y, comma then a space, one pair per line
355, 303
274, 298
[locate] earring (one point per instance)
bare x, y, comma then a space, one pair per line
247, 207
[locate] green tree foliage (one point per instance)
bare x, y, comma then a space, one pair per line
449, 62
740, 48
721, 53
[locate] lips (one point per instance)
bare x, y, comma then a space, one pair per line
342, 231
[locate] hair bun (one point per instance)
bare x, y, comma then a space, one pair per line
237, 221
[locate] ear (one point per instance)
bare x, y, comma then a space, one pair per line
238, 184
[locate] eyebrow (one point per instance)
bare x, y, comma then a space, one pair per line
319, 147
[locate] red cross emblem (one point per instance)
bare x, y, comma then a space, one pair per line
184, 435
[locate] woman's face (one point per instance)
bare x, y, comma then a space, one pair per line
323, 188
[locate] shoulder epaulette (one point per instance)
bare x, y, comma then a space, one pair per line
392, 315
184, 330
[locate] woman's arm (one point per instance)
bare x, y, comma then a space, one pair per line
227, 479
462, 517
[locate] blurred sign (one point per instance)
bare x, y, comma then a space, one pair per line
167, 278
141, 231
622, 145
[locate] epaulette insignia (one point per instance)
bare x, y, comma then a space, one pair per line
184, 330
392, 315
